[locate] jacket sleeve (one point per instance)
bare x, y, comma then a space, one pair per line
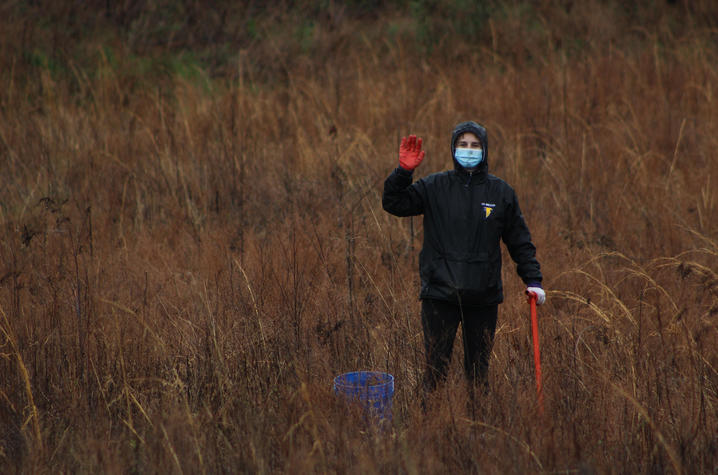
517, 238
401, 197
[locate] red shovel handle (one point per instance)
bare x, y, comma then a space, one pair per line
537, 352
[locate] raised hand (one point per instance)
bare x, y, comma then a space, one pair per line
410, 153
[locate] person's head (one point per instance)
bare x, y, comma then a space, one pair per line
469, 146
468, 140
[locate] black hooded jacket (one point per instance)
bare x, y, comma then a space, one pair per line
465, 217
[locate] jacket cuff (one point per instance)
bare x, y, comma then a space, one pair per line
403, 172
534, 284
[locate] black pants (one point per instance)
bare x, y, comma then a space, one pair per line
440, 320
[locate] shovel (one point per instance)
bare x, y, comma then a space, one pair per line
537, 353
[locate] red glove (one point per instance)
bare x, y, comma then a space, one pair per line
410, 153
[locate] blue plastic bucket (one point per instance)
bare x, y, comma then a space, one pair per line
372, 390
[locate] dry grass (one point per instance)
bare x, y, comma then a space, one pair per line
187, 260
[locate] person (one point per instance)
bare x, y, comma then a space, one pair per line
466, 212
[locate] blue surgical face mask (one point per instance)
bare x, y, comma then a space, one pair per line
469, 157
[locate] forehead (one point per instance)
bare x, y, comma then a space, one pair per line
467, 137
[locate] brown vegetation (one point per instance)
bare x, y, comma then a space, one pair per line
193, 243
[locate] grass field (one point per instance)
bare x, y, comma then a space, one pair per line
193, 245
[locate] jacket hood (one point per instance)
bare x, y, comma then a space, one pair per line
480, 132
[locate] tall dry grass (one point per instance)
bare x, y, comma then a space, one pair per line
188, 259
